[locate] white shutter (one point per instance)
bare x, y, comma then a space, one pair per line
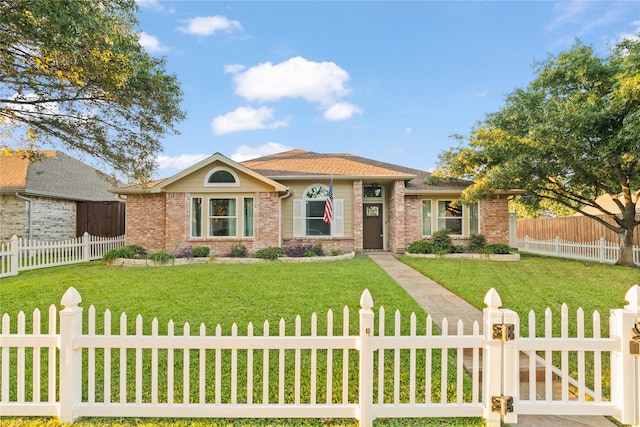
337, 223
298, 218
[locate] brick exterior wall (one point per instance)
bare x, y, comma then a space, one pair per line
177, 221
145, 223
358, 237
494, 220
13, 217
396, 211
413, 219
51, 219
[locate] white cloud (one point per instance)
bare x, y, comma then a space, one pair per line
150, 43
478, 94
182, 161
244, 152
341, 111
233, 68
633, 35
407, 131
246, 118
317, 82
208, 25
150, 4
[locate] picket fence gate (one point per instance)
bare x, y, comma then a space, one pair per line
601, 251
23, 254
482, 374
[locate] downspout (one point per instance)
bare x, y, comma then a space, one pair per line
29, 220
284, 196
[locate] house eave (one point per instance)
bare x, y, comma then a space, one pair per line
372, 178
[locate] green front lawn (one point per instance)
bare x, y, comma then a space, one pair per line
225, 294
535, 283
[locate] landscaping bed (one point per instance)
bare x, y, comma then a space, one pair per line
145, 262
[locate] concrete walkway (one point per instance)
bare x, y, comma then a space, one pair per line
440, 303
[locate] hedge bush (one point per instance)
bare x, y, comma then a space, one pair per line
272, 252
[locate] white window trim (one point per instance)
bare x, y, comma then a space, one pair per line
300, 215
221, 184
244, 218
209, 217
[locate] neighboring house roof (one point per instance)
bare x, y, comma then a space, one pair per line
607, 202
53, 175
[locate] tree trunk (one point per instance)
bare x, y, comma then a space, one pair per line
626, 248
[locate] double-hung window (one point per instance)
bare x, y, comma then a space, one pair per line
308, 214
450, 217
223, 217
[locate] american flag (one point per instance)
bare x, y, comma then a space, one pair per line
328, 205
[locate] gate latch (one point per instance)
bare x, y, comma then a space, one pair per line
502, 404
504, 332
634, 344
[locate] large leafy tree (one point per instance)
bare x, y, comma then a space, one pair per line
571, 136
73, 74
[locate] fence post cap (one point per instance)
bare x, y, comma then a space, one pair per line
14, 237
366, 301
492, 299
71, 298
633, 298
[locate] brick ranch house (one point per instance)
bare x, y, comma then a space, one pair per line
278, 200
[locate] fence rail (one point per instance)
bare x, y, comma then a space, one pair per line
135, 371
600, 251
23, 254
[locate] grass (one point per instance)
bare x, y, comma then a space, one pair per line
534, 283
221, 294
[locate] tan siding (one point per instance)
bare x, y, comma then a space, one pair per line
341, 190
194, 183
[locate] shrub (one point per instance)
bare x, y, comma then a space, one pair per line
335, 252
496, 248
477, 242
238, 251
161, 257
420, 247
139, 250
184, 253
317, 249
441, 242
457, 249
299, 251
272, 252
124, 252
201, 251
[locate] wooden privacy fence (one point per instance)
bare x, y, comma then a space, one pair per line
88, 369
579, 229
600, 251
23, 254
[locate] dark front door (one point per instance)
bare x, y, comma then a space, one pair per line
372, 226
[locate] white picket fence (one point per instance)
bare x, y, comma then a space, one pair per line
601, 251
23, 254
136, 371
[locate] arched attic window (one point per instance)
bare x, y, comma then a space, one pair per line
221, 177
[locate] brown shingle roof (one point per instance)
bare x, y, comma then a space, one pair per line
300, 163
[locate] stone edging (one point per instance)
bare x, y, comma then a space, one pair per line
491, 257
126, 262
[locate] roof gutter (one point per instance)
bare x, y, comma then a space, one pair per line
287, 193
29, 219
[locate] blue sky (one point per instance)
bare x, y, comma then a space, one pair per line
387, 80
